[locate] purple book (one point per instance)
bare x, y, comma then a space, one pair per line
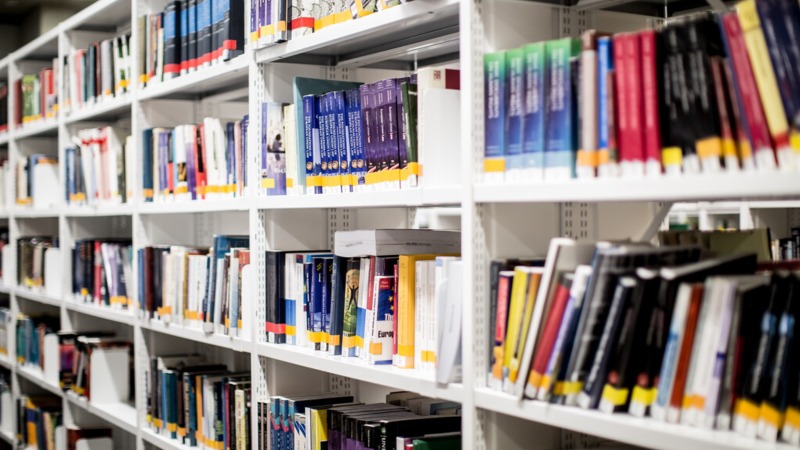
367, 121
382, 124
191, 177
163, 160
392, 141
401, 124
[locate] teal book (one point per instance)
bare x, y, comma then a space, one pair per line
534, 114
494, 112
562, 119
515, 64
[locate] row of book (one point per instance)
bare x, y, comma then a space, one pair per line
39, 419
36, 96
97, 167
33, 335
706, 94
787, 249
407, 421
102, 272
371, 299
275, 21
192, 162
96, 74
37, 181
198, 402
95, 365
653, 331
32, 258
188, 35
197, 287
345, 136
5, 321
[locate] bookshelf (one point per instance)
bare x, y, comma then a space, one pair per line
497, 219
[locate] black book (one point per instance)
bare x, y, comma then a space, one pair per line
391, 429
203, 32
184, 35
341, 267
649, 365
231, 31
589, 398
275, 306
191, 48
361, 426
172, 40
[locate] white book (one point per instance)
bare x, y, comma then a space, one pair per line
233, 288
717, 363
110, 377
448, 369
53, 272
98, 443
248, 272
51, 358
45, 184
385, 242
363, 282
106, 71
588, 104
300, 312
181, 191
111, 166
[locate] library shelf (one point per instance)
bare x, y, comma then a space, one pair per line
5, 289
5, 361
34, 375
123, 209
8, 437
34, 213
37, 295
380, 199
413, 380
4, 138
195, 206
163, 442
197, 335
43, 47
101, 13
644, 432
217, 77
104, 110
121, 415
40, 128
103, 312
679, 188
396, 27
4, 214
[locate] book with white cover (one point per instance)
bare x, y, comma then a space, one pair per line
52, 272
385, 242
450, 302
45, 184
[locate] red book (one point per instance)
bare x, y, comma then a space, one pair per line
550, 332
685, 355
504, 282
98, 272
651, 125
635, 108
746, 84
622, 91
726, 130
18, 102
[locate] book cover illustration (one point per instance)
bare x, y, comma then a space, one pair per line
274, 180
351, 288
380, 351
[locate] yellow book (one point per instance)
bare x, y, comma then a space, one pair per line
765, 80
516, 306
319, 420
406, 307
527, 314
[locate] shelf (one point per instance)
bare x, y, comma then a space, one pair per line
8, 437
40, 128
683, 188
35, 375
100, 14
198, 335
164, 442
396, 198
42, 48
386, 375
4, 288
413, 30
644, 432
195, 206
102, 312
31, 213
4, 138
5, 362
216, 78
4, 214
37, 296
99, 211
120, 415
103, 111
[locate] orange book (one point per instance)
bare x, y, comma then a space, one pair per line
685, 356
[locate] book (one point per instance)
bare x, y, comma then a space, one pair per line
561, 100
379, 242
495, 112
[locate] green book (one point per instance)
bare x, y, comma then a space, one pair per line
409, 91
446, 441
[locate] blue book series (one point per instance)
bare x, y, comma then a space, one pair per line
515, 85
562, 127
494, 112
534, 114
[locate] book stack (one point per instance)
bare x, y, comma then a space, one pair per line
102, 272
36, 96
659, 332
39, 420
97, 168
37, 181
96, 74
189, 35
707, 94
96, 367
31, 260
194, 162
272, 22
197, 402
197, 287
37, 345
348, 137
377, 298
320, 421
3, 108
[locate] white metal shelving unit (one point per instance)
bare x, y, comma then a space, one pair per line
497, 220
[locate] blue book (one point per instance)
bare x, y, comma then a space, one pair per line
310, 86
191, 48
605, 66
534, 113
184, 33
780, 21
392, 143
315, 301
163, 162
147, 165
402, 145
562, 127
222, 244
327, 301
340, 120
230, 143
311, 143
308, 277
494, 112
324, 141
172, 40
515, 88
203, 32
367, 129
356, 157
245, 124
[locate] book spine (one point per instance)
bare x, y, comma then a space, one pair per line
651, 124
232, 29
587, 152
357, 158
515, 77
392, 136
184, 34
368, 131
172, 48
204, 32
495, 112
342, 141
561, 125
